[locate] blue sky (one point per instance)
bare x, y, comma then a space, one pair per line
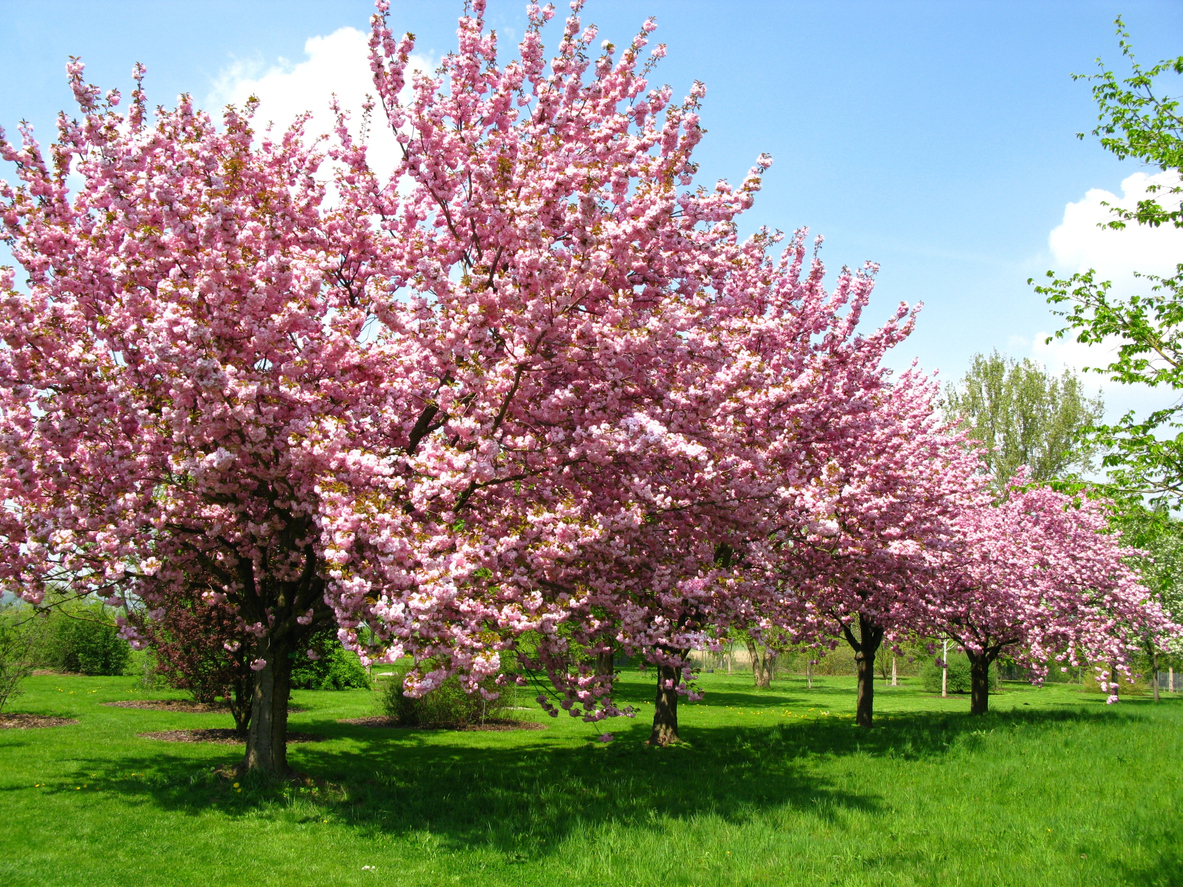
935, 138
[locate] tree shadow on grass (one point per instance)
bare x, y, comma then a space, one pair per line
1158, 861
523, 795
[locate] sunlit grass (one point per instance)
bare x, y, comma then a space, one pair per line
1053, 787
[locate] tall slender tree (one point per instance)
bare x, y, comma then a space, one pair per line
1022, 415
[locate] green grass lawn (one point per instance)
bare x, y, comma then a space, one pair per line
772, 787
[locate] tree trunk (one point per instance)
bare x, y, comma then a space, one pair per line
266, 741
894, 679
241, 701
665, 709
604, 664
1171, 678
865, 712
979, 682
870, 636
762, 659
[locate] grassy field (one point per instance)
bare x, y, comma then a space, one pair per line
772, 787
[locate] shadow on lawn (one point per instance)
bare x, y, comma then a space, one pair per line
1159, 860
524, 799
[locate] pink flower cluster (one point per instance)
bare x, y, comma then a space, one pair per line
530, 392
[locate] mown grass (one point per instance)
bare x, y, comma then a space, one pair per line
773, 787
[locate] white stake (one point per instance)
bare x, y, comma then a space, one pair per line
945, 671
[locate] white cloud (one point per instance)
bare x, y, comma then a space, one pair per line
334, 64
1077, 244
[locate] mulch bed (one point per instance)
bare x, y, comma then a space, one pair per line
26, 722
181, 705
496, 725
219, 735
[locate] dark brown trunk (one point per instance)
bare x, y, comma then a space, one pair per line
266, 741
870, 637
604, 664
665, 709
241, 701
865, 709
979, 683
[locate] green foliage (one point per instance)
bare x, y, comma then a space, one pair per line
335, 669
1136, 120
959, 676
145, 664
1139, 685
1023, 415
1160, 536
447, 706
21, 637
83, 638
839, 661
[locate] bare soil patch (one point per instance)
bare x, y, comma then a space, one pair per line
496, 725
13, 721
219, 735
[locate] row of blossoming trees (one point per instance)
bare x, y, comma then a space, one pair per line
528, 386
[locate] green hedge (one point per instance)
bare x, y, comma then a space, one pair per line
83, 638
336, 669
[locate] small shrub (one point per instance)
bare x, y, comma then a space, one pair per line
1139, 686
144, 663
447, 706
21, 636
959, 676
336, 669
839, 661
196, 645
